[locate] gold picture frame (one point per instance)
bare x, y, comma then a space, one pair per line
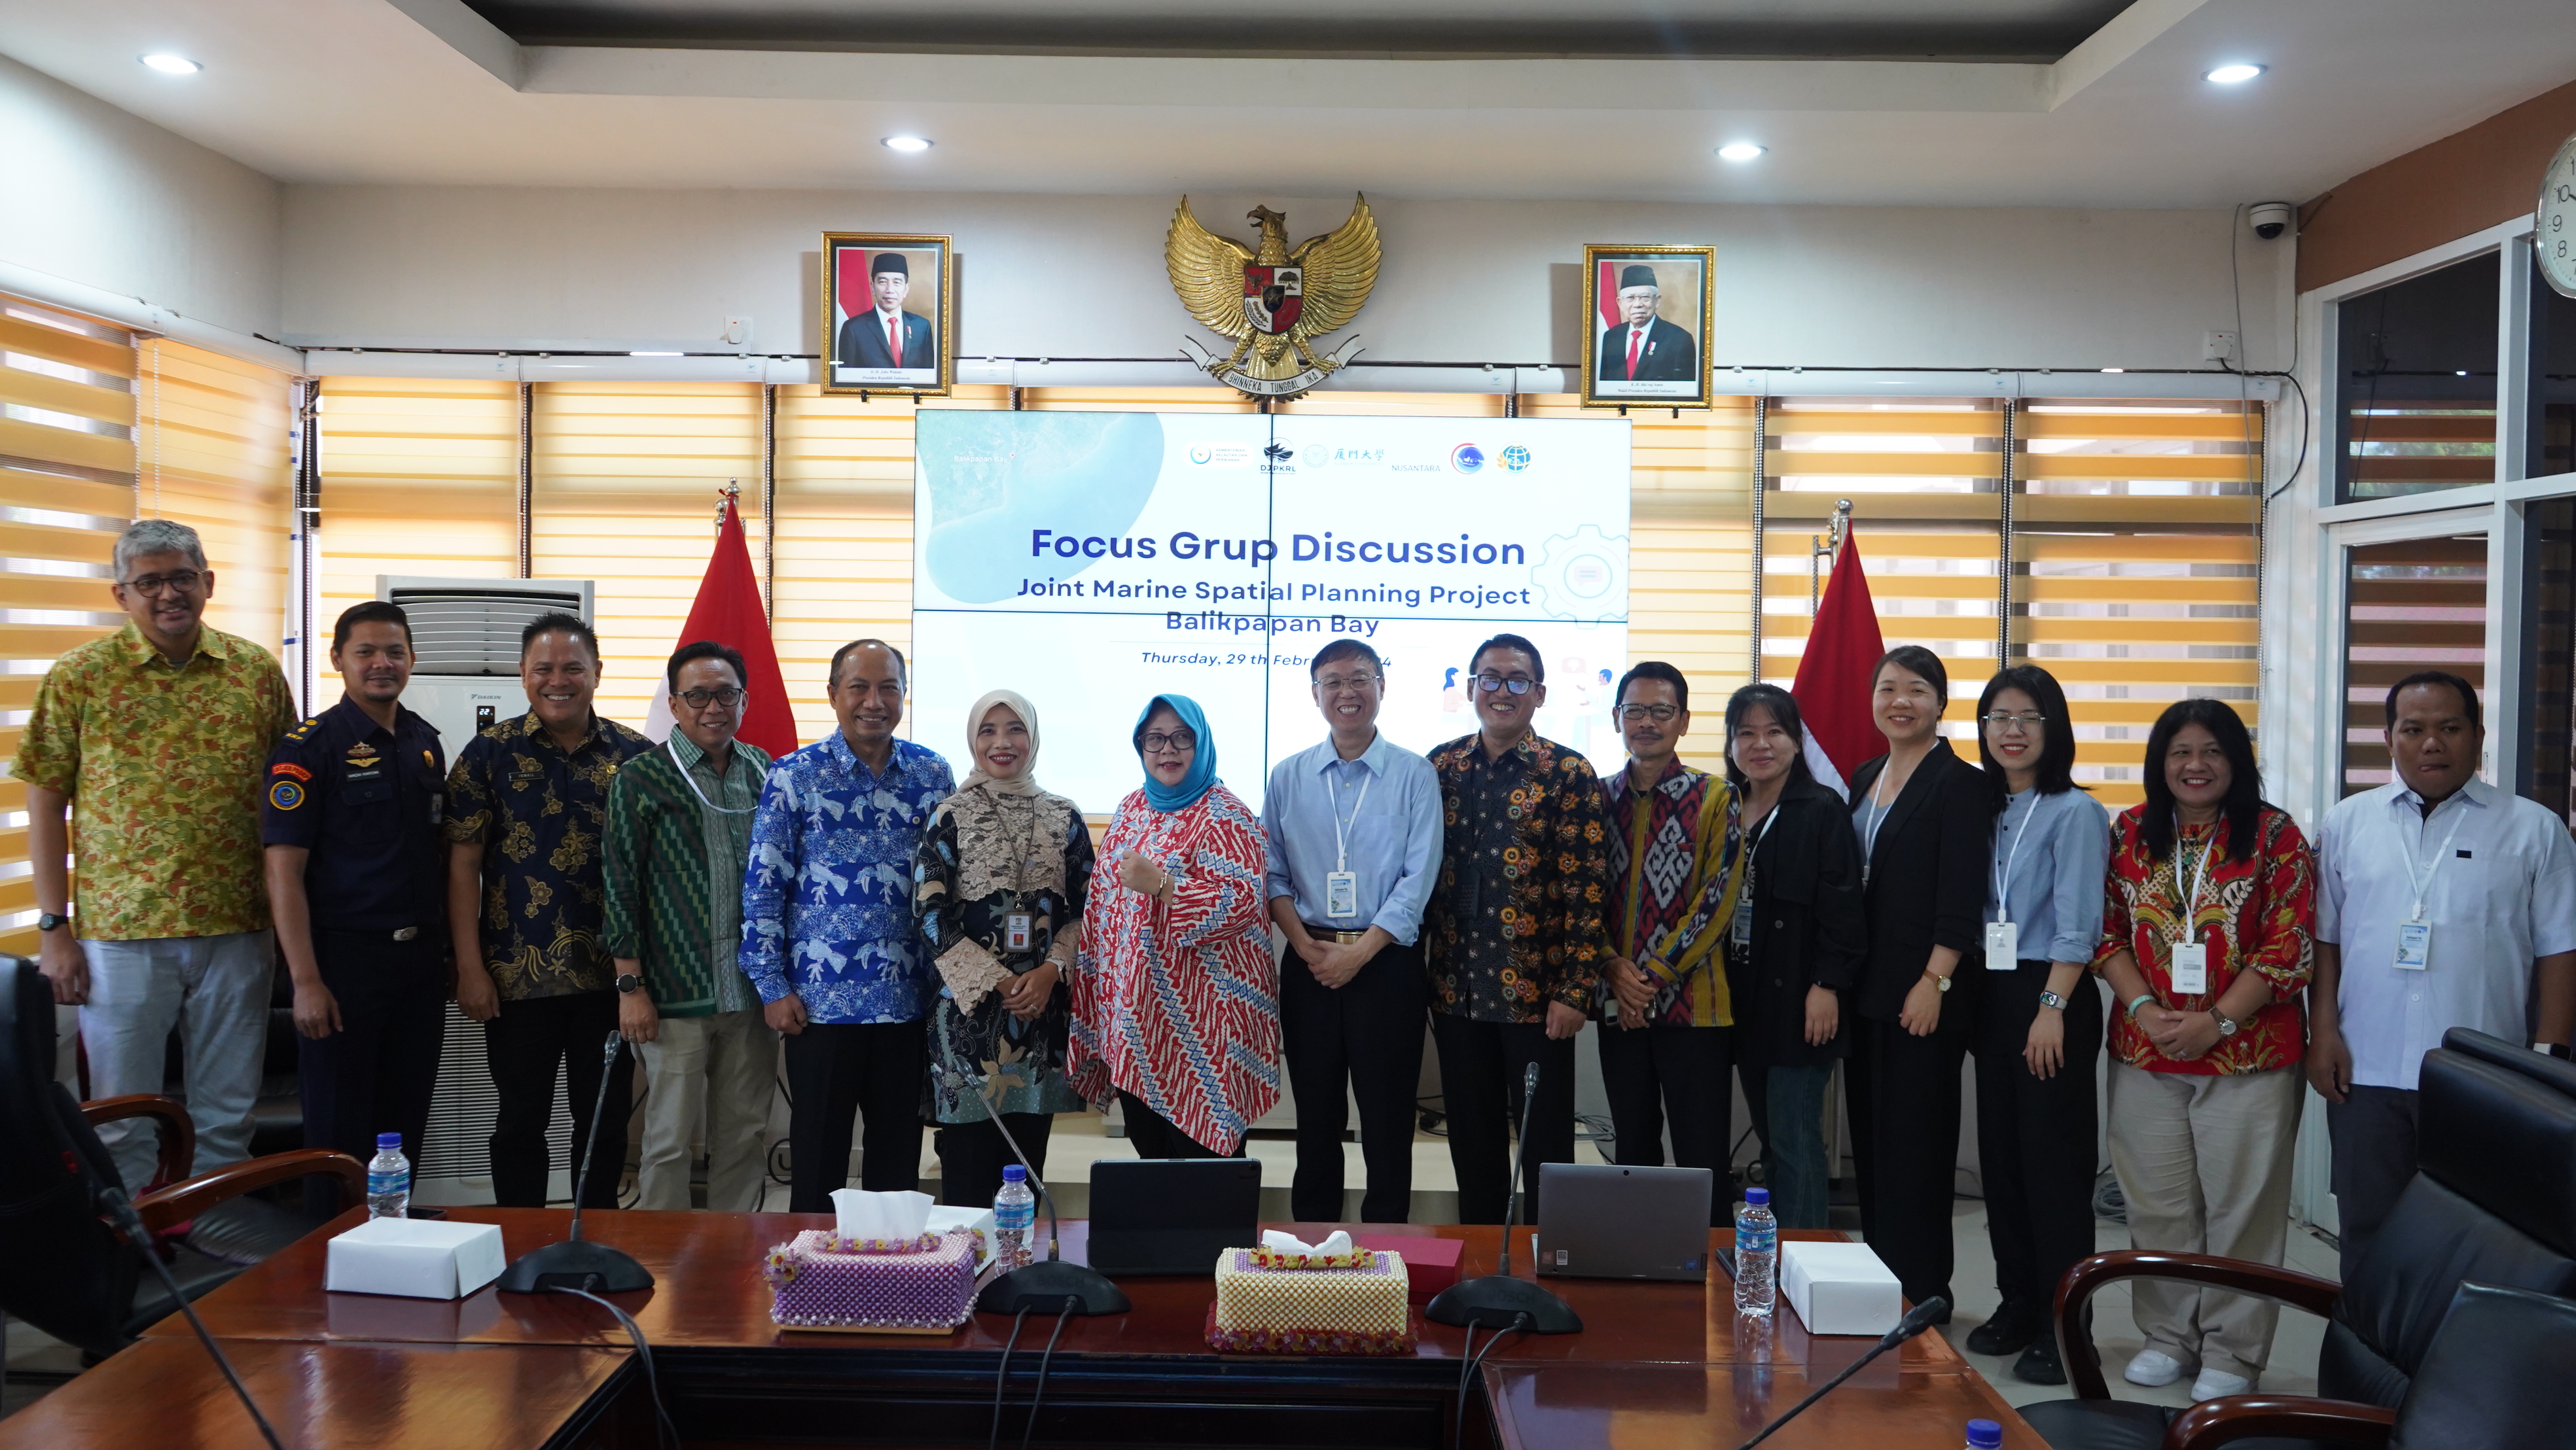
857, 358
1671, 361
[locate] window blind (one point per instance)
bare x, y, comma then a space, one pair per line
212, 453
66, 491
2417, 604
419, 476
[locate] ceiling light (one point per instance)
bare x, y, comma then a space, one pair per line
653, 354
174, 65
906, 143
2115, 370
2234, 73
1740, 151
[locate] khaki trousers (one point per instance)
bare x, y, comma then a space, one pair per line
2205, 1165
724, 1067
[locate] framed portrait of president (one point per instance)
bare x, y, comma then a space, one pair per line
1647, 313
889, 314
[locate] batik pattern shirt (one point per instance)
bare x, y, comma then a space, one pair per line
677, 847
2257, 914
1516, 920
827, 898
539, 812
164, 767
1676, 855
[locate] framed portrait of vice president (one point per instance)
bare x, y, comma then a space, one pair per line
1647, 313
889, 314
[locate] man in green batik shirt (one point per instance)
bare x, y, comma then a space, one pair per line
678, 841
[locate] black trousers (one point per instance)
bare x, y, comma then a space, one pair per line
2373, 1135
2036, 1136
379, 1071
1665, 1074
523, 1045
1481, 1066
1367, 1033
1905, 1147
835, 1072
973, 1155
1155, 1136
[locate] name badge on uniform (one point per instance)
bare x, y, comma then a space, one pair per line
2190, 967
1016, 931
2414, 945
437, 806
2003, 945
1341, 893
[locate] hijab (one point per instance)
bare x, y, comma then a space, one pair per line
1202, 765
1023, 784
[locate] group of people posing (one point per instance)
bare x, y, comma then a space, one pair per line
943, 953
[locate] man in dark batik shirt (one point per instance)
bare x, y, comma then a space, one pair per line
1513, 935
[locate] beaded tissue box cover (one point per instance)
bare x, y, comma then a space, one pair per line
914, 1286
1360, 1308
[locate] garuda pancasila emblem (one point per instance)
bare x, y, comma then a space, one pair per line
1272, 301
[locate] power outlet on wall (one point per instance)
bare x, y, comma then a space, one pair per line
2218, 347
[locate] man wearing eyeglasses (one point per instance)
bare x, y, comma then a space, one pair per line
678, 841
1513, 935
1354, 830
143, 753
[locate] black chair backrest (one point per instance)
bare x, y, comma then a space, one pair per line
2500, 1376
64, 1271
2493, 1200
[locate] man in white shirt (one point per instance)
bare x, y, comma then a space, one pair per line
2443, 902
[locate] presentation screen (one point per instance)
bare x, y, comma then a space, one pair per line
1091, 561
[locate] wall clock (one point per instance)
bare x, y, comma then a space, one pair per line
2553, 237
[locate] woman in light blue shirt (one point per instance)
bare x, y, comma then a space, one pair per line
2041, 1029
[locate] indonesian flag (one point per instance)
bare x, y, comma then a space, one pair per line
728, 611
1834, 674
1608, 293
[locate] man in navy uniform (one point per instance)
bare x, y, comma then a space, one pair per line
1645, 348
357, 882
886, 336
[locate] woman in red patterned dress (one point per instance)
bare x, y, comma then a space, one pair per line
1175, 996
2206, 943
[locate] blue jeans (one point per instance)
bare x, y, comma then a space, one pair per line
1792, 1104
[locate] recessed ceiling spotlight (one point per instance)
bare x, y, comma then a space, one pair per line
653, 354
172, 65
906, 143
2234, 73
1740, 151
2115, 370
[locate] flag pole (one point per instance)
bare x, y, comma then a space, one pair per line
1822, 548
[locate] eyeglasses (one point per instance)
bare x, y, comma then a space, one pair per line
1657, 713
1335, 684
725, 695
2003, 721
1490, 683
1158, 742
154, 585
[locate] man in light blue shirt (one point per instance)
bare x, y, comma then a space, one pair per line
1354, 828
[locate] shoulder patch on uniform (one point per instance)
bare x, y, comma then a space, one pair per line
289, 767
286, 795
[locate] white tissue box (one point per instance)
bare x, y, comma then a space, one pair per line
1839, 1288
419, 1258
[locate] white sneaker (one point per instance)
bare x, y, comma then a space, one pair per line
2152, 1368
2214, 1383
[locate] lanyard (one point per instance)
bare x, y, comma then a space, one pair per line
2423, 884
2200, 874
1341, 841
1877, 818
2003, 904
673, 751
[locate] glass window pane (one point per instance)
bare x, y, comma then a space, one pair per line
2419, 604
2552, 448
2417, 365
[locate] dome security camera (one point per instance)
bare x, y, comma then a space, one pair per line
2270, 218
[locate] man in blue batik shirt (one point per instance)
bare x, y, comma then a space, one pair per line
828, 934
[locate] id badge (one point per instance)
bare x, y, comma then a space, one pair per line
2190, 968
2003, 945
1341, 893
1742, 929
2414, 945
1016, 931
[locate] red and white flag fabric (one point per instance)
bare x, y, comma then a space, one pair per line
1835, 673
728, 611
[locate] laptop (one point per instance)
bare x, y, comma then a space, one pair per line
1602, 1221
1172, 1215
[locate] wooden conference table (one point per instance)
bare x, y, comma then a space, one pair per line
1656, 1365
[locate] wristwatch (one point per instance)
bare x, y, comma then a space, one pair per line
2557, 1050
1939, 983
2051, 999
48, 920
2226, 1024
629, 982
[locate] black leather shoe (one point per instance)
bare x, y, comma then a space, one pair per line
2013, 1327
2038, 1364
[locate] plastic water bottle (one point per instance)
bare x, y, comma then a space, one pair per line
388, 1179
1985, 1435
1015, 1217
1757, 1254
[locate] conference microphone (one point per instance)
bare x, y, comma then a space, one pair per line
1049, 1283
1498, 1300
576, 1263
1920, 1318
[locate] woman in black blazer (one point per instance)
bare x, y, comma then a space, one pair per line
1925, 821
1795, 949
